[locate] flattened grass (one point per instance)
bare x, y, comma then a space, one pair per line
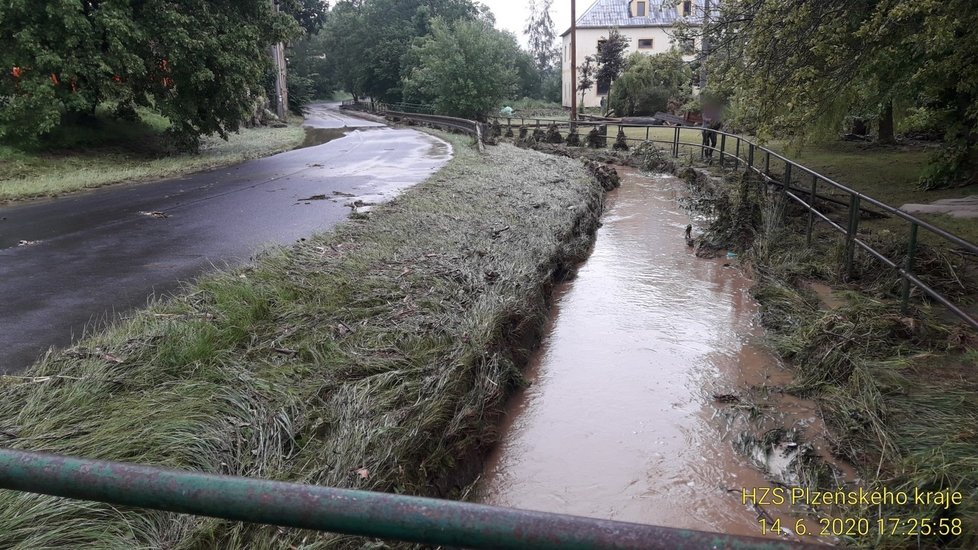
375, 357
898, 391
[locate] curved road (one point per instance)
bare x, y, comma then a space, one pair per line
105, 251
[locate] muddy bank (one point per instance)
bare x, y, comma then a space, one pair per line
895, 387
640, 390
376, 357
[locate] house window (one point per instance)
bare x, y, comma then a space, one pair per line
687, 8
689, 46
645, 44
639, 9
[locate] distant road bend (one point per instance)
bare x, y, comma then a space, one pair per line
107, 251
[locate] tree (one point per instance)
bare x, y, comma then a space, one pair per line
611, 58
309, 14
309, 62
542, 35
386, 29
803, 68
650, 84
201, 63
585, 77
342, 43
465, 68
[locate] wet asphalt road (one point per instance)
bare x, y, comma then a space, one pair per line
99, 254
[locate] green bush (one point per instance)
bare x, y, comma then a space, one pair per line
650, 84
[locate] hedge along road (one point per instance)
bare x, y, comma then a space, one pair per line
67, 263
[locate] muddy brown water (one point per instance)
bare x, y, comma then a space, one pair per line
620, 420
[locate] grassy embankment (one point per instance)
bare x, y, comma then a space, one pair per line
107, 151
898, 391
376, 357
887, 173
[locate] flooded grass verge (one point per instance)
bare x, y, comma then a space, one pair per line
375, 357
898, 391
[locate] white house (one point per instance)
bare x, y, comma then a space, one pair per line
648, 25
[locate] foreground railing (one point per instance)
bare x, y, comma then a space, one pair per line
737, 150
381, 515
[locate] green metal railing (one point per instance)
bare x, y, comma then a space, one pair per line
737, 150
380, 515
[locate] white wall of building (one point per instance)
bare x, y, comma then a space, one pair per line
587, 44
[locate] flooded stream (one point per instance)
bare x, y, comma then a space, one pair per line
621, 420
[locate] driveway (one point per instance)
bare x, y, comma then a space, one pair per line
102, 253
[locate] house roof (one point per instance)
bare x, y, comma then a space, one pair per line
614, 13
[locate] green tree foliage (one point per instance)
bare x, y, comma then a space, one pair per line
311, 69
465, 68
542, 35
650, 83
200, 63
310, 14
341, 43
611, 59
800, 68
585, 77
368, 39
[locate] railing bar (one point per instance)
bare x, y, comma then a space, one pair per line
382, 515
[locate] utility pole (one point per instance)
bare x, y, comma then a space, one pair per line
281, 86
573, 59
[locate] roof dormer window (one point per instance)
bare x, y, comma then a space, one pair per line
687, 8
640, 9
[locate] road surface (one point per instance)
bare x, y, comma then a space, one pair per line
102, 253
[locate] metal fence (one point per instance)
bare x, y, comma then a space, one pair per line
388, 516
422, 114
776, 169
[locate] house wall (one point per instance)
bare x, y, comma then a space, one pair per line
587, 44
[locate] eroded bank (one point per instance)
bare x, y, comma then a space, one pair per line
636, 398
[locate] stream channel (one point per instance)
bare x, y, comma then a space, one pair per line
621, 419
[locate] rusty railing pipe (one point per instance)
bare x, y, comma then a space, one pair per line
381, 515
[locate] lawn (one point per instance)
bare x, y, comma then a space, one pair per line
106, 151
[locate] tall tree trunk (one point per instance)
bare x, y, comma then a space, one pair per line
886, 134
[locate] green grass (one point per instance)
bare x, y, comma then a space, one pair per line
388, 345
898, 391
887, 173
105, 151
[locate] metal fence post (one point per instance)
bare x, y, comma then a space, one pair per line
908, 268
811, 210
787, 177
851, 233
767, 163
723, 146
737, 156
750, 157
675, 144
648, 129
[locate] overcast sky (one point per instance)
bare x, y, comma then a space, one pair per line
511, 15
